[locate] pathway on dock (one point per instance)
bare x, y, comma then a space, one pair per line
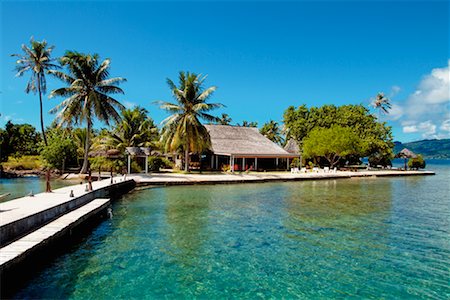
185, 179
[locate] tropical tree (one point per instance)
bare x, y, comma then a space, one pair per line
382, 104
136, 129
332, 143
183, 129
248, 124
272, 131
37, 60
224, 120
87, 94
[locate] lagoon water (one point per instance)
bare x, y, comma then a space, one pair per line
364, 238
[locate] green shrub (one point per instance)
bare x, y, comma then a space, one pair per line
295, 163
26, 162
226, 168
417, 163
155, 163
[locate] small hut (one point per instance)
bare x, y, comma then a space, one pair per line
292, 147
406, 154
138, 152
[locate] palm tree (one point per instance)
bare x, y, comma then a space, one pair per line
272, 131
382, 103
135, 129
37, 60
224, 120
248, 124
183, 129
86, 94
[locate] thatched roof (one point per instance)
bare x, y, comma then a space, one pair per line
243, 141
139, 151
292, 147
406, 153
112, 153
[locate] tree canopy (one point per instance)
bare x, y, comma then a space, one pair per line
332, 143
376, 137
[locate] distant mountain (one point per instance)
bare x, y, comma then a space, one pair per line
428, 148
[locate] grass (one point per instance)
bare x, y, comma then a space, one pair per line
26, 162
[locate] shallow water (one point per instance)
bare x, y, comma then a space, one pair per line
367, 238
20, 187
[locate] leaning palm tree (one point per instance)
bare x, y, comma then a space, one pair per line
86, 94
382, 103
183, 129
37, 60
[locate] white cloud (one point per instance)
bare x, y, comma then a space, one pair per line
394, 91
410, 129
427, 129
395, 113
426, 110
129, 104
445, 126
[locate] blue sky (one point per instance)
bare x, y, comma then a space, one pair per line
262, 56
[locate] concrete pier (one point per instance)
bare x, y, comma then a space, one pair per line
23, 215
191, 179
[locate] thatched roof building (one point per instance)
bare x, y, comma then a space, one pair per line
243, 142
292, 147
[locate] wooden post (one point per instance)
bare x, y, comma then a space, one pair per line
243, 164
212, 161
129, 164
217, 162
256, 164
232, 163
146, 164
276, 163
287, 164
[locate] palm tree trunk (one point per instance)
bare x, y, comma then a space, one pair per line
85, 166
186, 160
40, 103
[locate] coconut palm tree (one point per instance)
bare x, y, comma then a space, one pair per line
183, 129
224, 119
87, 94
271, 130
136, 129
382, 104
37, 60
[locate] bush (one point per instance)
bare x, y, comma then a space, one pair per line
295, 163
26, 162
155, 163
417, 163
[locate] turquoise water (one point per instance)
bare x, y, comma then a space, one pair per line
20, 187
363, 238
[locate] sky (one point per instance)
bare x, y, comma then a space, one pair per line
262, 56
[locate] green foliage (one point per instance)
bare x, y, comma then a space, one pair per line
248, 124
135, 129
36, 60
183, 129
26, 162
332, 143
60, 151
379, 159
428, 148
224, 120
417, 163
226, 168
272, 131
18, 140
375, 137
155, 163
295, 163
87, 93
